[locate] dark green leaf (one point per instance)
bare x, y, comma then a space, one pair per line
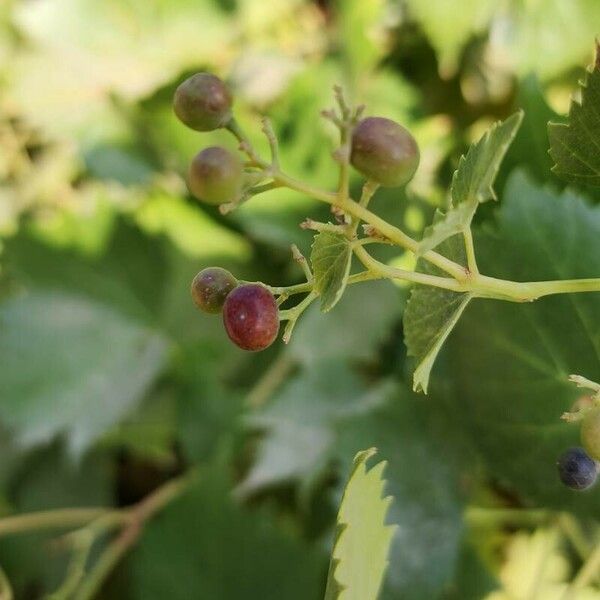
575, 145
510, 362
204, 546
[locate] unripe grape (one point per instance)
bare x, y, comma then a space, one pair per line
203, 102
251, 317
210, 288
384, 151
590, 432
216, 176
576, 469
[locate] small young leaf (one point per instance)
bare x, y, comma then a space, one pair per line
360, 552
431, 313
330, 257
574, 146
473, 180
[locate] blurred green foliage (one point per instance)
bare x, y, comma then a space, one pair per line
111, 382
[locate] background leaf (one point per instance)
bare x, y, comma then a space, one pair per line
213, 548
61, 353
472, 182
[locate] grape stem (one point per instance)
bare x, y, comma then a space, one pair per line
95, 523
462, 279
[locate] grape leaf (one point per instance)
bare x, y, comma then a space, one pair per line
210, 547
300, 420
473, 180
71, 364
575, 146
423, 477
431, 313
510, 362
380, 306
360, 553
331, 258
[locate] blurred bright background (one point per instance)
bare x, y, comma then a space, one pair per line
111, 382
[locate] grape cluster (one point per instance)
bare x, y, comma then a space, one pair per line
250, 313
380, 149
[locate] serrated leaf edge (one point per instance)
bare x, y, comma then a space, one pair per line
334, 587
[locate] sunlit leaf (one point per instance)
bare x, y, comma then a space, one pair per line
472, 182
360, 553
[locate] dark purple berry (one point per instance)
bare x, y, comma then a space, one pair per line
384, 151
216, 176
251, 317
576, 469
203, 102
210, 288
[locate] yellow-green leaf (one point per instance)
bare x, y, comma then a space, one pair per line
360, 553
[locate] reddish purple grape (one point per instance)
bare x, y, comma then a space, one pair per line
210, 288
216, 176
251, 317
203, 102
384, 151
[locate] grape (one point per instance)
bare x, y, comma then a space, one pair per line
210, 288
590, 432
251, 317
384, 151
215, 176
203, 102
576, 469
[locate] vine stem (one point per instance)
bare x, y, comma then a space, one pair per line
63, 518
270, 381
470, 250
347, 204
381, 225
136, 518
95, 522
464, 279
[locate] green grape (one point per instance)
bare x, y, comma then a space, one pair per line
216, 176
384, 151
211, 287
203, 102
